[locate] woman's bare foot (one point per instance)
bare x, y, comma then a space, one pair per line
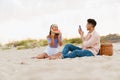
40, 56
37, 57
55, 56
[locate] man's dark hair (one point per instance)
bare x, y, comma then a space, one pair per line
92, 21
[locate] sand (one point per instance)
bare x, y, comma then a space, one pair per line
17, 65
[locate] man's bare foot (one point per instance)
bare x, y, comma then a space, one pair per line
55, 56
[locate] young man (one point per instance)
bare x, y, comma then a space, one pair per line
90, 44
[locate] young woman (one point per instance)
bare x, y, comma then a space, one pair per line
54, 40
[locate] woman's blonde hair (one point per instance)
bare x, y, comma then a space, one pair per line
55, 25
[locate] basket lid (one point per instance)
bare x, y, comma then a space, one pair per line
106, 44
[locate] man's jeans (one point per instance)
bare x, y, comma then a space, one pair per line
75, 52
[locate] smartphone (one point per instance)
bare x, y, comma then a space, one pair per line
80, 28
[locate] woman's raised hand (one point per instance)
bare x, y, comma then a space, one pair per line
52, 35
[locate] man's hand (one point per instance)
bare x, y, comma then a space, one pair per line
81, 32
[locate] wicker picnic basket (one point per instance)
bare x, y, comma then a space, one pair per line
106, 49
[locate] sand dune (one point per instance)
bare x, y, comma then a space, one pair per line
17, 65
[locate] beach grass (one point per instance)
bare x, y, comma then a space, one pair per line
32, 43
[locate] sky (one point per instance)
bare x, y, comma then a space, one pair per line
23, 19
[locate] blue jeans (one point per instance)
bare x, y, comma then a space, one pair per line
75, 52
